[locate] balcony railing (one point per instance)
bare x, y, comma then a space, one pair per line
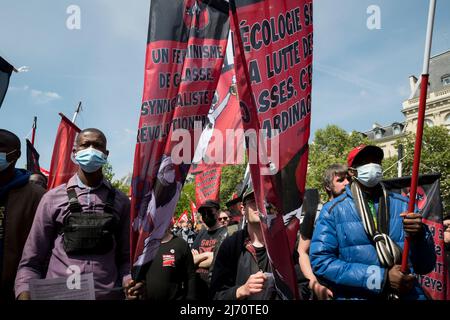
430, 97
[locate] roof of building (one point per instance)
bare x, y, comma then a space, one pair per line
439, 68
386, 131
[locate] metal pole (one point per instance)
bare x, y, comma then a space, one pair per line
420, 121
33, 132
399, 162
75, 115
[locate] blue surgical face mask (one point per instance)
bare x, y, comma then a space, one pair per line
3, 163
370, 174
90, 159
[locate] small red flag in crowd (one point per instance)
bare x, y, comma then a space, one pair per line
62, 168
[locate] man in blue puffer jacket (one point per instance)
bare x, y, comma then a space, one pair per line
356, 246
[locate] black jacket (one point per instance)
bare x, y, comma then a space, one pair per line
234, 264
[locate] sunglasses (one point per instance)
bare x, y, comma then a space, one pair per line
223, 219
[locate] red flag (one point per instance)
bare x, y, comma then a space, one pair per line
45, 172
185, 51
273, 63
221, 142
183, 217
193, 213
32, 158
207, 185
62, 168
429, 204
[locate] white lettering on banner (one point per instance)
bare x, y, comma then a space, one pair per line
264, 147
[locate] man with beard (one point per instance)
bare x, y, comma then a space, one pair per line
207, 244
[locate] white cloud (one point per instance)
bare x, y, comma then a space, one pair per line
42, 97
351, 78
15, 89
38, 96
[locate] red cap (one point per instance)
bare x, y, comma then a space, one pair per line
367, 149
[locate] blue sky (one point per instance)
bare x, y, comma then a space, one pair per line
360, 75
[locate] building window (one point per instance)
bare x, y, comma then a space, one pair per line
397, 130
447, 119
378, 134
429, 123
446, 80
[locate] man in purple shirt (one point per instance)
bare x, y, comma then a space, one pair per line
56, 245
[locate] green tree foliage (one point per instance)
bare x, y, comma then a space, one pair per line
118, 184
232, 177
187, 195
108, 171
435, 158
330, 145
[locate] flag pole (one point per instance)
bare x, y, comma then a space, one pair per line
33, 132
75, 115
420, 122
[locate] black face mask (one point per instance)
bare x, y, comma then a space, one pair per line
447, 247
209, 218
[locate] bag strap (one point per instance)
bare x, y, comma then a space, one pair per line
74, 204
109, 205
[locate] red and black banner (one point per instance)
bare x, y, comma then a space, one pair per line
428, 201
207, 185
32, 159
186, 47
221, 142
273, 59
62, 168
5, 73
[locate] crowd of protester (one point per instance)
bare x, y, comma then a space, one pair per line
222, 254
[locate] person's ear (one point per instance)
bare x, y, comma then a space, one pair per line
14, 156
107, 152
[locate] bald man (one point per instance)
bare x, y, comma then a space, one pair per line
18, 202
